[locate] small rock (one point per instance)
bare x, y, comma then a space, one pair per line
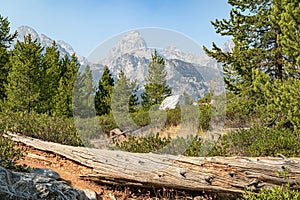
92, 195
198, 198
46, 172
112, 197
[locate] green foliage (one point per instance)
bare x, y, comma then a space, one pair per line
9, 155
151, 143
283, 192
205, 115
188, 146
123, 101
22, 89
40, 82
50, 76
107, 123
156, 88
5, 41
63, 98
288, 13
41, 126
83, 95
239, 111
103, 93
280, 107
259, 30
173, 117
258, 142
141, 117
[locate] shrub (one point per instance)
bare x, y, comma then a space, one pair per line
9, 155
189, 146
258, 142
41, 126
107, 123
173, 117
273, 194
151, 143
204, 116
141, 117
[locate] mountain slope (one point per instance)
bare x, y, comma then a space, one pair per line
63, 47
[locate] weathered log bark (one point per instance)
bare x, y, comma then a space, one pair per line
215, 174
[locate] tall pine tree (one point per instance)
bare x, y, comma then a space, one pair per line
62, 101
123, 101
263, 65
5, 41
156, 88
50, 78
83, 94
256, 36
103, 93
23, 89
288, 15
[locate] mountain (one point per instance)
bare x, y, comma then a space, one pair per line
63, 47
186, 72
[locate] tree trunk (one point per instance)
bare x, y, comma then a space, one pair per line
214, 174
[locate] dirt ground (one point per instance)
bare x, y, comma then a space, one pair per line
70, 172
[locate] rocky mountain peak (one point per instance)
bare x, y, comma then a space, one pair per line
172, 52
130, 42
25, 30
66, 46
63, 47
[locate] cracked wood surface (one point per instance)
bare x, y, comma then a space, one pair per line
216, 174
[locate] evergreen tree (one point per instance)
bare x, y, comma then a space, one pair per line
83, 98
156, 88
288, 14
63, 99
123, 101
133, 100
103, 93
50, 78
263, 66
5, 41
23, 89
256, 36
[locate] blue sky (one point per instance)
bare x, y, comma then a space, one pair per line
87, 23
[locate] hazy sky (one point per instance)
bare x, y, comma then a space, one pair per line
87, 23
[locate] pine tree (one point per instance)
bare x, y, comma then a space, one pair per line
263, 67
256, 36
133, 100
23, 89
103, 93
5, 41
83, 94
123, 101
50, 78
156, 88
63, 99
288, 14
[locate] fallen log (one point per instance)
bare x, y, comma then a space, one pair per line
214, 174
